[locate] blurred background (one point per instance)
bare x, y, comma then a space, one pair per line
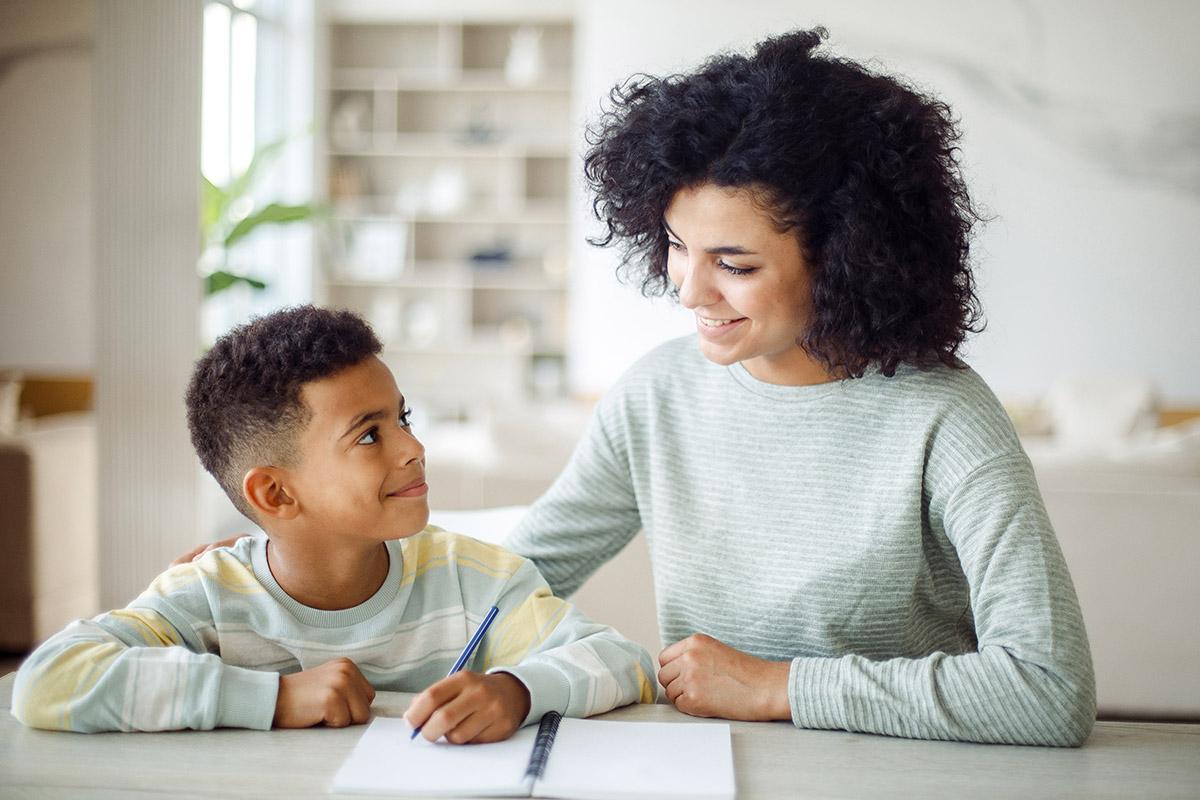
169, 169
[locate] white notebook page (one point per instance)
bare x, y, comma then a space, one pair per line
598, 760
386, 760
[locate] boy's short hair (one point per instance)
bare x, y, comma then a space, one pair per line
243, 402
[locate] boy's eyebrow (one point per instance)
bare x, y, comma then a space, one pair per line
724, 250
368, 416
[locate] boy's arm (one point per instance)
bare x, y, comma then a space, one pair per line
568, 663
140, 668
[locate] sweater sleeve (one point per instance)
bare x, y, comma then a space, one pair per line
569, 663
1030, 680
587, 515
142, 668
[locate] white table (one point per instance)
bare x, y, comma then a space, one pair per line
773, 760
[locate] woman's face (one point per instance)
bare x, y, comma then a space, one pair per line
747, 283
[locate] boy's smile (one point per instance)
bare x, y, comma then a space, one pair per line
359, 472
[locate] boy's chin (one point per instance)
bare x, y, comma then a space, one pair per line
413, 522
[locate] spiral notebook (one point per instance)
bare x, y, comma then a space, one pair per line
572, 759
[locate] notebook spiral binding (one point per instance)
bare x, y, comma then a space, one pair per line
542, 744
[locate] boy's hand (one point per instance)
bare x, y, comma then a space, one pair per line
469, 707
335, 693
195, 553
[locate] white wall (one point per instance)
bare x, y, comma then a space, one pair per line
1082, 137
46, 261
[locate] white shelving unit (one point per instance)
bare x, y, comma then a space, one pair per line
447, 161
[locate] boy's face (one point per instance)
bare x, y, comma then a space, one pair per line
361, 472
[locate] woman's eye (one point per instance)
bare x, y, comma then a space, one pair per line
674, 245
732, 270
406, 418
370, 437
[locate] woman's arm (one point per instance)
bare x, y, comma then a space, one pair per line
586, 516
1029, 682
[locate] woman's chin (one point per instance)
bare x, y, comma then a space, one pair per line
718, 354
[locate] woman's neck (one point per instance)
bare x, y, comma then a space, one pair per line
792, 368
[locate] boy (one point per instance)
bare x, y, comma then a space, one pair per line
304, 428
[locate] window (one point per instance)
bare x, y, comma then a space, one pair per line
257, 90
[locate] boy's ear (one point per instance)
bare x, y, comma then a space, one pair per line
264, 490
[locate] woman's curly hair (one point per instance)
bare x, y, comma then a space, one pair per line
863, 168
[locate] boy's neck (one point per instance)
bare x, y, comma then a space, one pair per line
328, 578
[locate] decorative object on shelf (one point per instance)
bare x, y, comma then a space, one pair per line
516, 332
385, 315
409, 198
374, 250
347, 185
547, 376
421, 324
524, 64
447, 190
480, 129
500, 255
351, 122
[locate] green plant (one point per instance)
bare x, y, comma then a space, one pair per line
227, 215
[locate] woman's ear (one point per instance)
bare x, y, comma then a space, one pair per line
264, 490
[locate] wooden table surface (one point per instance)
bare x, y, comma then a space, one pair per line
772, 760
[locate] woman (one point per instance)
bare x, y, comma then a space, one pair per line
844, 529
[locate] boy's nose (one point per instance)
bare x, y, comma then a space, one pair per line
407, 448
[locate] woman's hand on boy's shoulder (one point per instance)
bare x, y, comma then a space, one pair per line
196, 552
469, 707
335, 693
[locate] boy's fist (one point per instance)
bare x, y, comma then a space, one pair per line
469, 707
335, 693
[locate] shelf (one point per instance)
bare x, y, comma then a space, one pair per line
536, 213
349, 79
434, 150
433, 284
420, 145
461, 276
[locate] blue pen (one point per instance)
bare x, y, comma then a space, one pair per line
466, 653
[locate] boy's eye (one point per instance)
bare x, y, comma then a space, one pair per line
370, 437
406, 418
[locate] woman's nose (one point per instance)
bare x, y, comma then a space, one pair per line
695, 289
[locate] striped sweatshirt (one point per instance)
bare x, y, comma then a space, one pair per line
884, 535
205, 645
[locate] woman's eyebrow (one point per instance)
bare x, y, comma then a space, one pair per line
722, 250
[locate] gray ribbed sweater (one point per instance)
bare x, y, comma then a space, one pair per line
885, 535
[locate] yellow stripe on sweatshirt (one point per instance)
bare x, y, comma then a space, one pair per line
524, 628
64, 677
434, 548
150, 625
219, 566
645, 687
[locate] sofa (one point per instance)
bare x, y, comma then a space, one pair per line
48, 528
1125, 506
1127, 516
